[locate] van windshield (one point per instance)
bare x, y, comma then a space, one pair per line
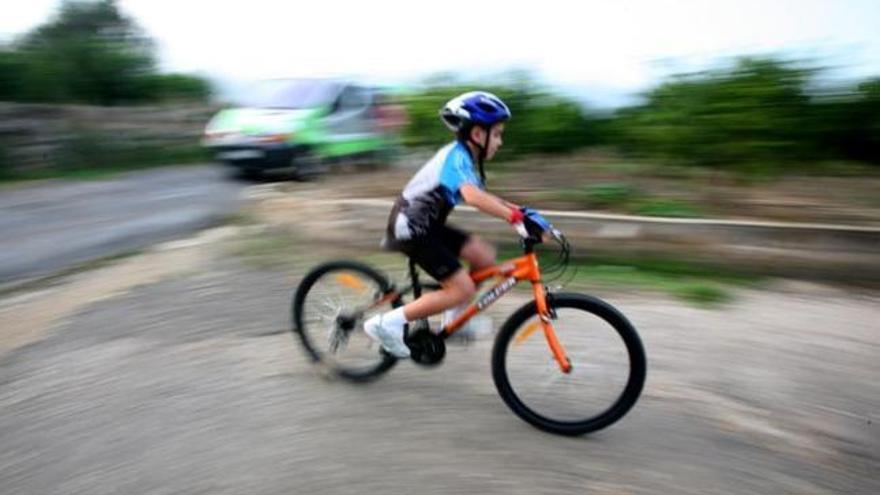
291, 94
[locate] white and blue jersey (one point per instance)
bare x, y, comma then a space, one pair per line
432, 193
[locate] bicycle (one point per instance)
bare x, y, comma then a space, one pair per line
336, 323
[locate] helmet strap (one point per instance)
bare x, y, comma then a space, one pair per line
482, 149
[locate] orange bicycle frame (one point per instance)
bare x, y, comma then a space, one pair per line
524, 268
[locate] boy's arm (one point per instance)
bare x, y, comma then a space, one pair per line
510, 205
487, 203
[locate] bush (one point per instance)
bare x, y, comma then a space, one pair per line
752, 112
174, 87
542, 122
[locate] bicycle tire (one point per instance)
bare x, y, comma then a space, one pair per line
384, 361
596, 307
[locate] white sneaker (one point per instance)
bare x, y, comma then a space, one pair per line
391, 339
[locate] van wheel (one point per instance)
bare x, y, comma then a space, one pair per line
244, 174
307, 165
374, 160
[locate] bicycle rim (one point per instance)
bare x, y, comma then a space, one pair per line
607, 374
325, 297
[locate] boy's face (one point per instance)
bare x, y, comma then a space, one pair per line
495, 134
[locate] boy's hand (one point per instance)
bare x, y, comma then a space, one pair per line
535, 223
516, 216
517, 220
521, 229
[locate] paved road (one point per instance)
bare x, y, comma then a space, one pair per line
58, 224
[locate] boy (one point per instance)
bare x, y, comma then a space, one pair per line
417, 224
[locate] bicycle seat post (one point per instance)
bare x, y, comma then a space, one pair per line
414, 277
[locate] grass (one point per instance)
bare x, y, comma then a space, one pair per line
608, 195
622, 197
705, 295
704, 289
665, 208
241, 218
269, 250
702, 285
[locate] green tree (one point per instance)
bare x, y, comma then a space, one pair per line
757, 110
853, 124
89, 52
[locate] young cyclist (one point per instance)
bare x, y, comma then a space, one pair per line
417, 224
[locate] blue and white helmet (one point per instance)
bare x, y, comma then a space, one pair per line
474, 108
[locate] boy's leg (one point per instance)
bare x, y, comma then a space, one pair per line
441, 263
456, 289
387, 328
478, 253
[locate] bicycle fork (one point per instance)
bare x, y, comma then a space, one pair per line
546, 315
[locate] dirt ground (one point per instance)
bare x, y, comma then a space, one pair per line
174, 372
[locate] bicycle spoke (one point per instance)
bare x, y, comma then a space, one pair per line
331, 315
600, 367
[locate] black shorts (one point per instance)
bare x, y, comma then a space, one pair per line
438, 252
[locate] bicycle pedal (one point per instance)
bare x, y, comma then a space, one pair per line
427, 349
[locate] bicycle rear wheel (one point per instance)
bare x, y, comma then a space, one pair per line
329, 309
607, 358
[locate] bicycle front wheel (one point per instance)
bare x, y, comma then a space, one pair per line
329, 309
607, 358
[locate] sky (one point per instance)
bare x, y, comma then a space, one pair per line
603, 51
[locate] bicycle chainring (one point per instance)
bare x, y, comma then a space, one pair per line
426, 348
